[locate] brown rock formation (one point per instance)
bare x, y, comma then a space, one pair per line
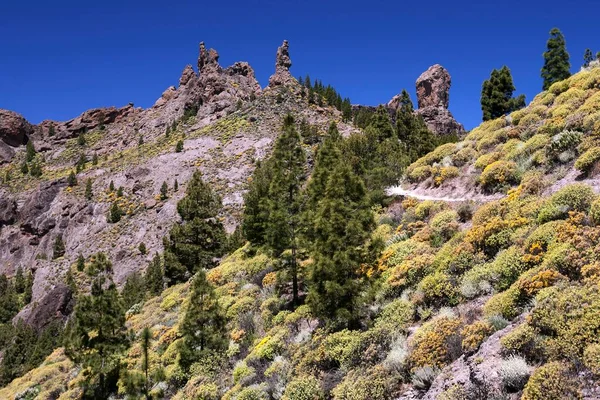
283, 63
433, 97
187, 75
56, 305
433, 87
14, 128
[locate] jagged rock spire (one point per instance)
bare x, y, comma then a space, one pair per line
283, 62
283, 59
207, 57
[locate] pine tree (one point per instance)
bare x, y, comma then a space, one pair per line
72, 179
382, 123
146, 336
141, 140
154, 277
115, 213
28, 292
256, 214
342, 226
19, 280
556, 60
203, 326
405, 118
120, 191
80, 166
81, 139
9, 302
80, 263
111, 186
588, 57
284, 199
142, 248
134, 290
164, 191
51, 130
179, 146
35, 168
175, 186
95, 159
497, 95
88, 190
199, 239
58, 247
24, 168
29, 151
98, 337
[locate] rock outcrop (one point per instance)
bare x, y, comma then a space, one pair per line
283, 62
14, 128
56, 305
221, 89
86, 122
433, 97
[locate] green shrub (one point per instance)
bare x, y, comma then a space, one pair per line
563, 146
522, 341
595, 212
428, 208
551, 381
505, 304
500, 273
474, 334
568, 317
444, 224
586, 162
438, 289
574, 197
364, 385
591, 358
396, 315
436, 343
498, 174
304, 388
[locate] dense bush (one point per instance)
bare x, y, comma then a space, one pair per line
575, 197
498, 174
303, 388
551, 381
436, 344
586, 162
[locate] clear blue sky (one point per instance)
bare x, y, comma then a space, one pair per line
60, 58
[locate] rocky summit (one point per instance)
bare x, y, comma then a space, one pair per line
281, 243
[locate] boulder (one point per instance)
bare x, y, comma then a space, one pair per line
8, 210
6, 153
14, 128
433, 87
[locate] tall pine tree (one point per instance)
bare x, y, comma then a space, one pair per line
199, 239
556, 59
203, 326
342, 228
284, 200
98, 337
254, 222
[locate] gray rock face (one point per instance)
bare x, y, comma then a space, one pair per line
8, 210
32, 213
187, 75
14, 128
441, 121
6, 153
56, 305
283, 63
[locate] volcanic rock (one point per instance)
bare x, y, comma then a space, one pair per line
283, 63
14, 128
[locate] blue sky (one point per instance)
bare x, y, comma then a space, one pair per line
60, 58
